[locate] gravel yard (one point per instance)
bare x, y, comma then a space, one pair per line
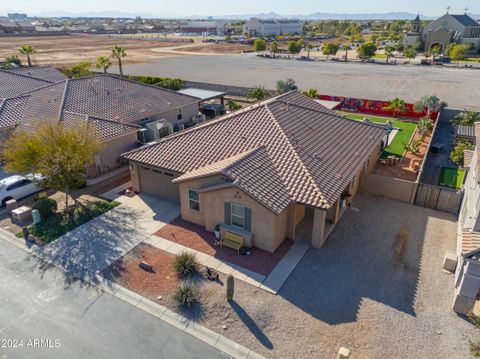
377, 287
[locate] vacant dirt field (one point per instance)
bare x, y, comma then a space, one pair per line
71, 49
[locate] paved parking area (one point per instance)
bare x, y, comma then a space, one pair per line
99, 242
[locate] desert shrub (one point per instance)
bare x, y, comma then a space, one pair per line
475, 349
186, 265
46, 206
186, 295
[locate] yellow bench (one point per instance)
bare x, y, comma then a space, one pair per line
232, 240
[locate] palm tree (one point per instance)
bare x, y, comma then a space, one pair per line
274, 48
27, 50
103, 62
117, 53
286, 86
311, 93
346, 48
388, 52
468, 117
309, 48
430, 104
397, 105
258, 93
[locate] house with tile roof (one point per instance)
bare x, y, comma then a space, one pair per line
467, 274
266, 172
116, 109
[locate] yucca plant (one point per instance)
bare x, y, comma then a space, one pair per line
186, 265
186, 295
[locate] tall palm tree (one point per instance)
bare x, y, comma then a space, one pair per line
311, 93
117, 53
397, 105
286, 86
388, 52
103, 62
27, 50
346, 48
309, 48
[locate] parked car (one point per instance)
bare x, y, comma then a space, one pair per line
17, 187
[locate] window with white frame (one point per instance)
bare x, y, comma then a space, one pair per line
238, 215
194, 200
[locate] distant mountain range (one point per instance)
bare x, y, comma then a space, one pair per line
270, 15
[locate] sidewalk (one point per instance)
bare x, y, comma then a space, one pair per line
271, 283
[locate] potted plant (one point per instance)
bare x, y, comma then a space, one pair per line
217, 231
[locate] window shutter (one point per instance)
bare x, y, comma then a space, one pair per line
248, 219
228, 213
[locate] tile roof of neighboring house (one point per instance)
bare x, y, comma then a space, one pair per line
113, 101
47, 73
477, 148
14, 84
464, 131
465, 20
304, 149
11, 109
467, 157
470, 241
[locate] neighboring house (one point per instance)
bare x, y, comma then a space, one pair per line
467, 274
260, 27
25, 26
8, 27
117, 109
282, 168
443, 31
18, 81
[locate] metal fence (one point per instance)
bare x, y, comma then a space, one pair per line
439, 198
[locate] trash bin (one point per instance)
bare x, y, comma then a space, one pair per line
37, 218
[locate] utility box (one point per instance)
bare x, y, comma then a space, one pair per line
11, 205
22, 214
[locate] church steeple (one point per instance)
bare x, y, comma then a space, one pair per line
416, 24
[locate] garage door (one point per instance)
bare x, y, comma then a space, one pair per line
158, 183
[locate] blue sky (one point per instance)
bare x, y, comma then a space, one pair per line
222, 7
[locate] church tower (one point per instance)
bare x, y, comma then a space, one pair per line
416, 24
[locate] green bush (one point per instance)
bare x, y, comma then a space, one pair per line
46, 206
475, 349
186, 265
186, 295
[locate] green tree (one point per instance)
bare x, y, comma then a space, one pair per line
367, 50
27, 50
435, 51
467, 118
330, 48
13, 60
346, 48
457, 154
259, 45
373, 38
388, 52
118, 53
82, 69
397, 105
274, 48
311, 93
429, 104
258, 93
294, 47
58, 153
459, 53
286, 86
410, 54
425, 125
103, 62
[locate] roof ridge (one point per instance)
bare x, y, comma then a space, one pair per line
62, 103
26, 76
296, 155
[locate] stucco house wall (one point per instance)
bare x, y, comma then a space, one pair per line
188, 112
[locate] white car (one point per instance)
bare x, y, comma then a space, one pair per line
17, 187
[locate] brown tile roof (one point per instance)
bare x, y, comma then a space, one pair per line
470, 241
14, 84
47, 73
310, 150
104, 98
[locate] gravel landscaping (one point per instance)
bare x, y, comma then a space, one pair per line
377, 287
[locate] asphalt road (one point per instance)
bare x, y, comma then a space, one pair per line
40, 306
459, 87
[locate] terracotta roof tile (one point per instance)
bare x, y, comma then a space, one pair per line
315, 152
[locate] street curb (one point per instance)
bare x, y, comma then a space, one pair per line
186, 325
158, 311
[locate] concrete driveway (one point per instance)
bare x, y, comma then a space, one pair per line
99, 242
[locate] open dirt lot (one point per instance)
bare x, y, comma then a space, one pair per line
213, 48
71, 49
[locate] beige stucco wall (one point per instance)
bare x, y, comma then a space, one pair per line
388, 187
188, 112
110, 154
269, 229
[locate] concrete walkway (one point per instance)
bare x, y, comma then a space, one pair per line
98, 243
271, 283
